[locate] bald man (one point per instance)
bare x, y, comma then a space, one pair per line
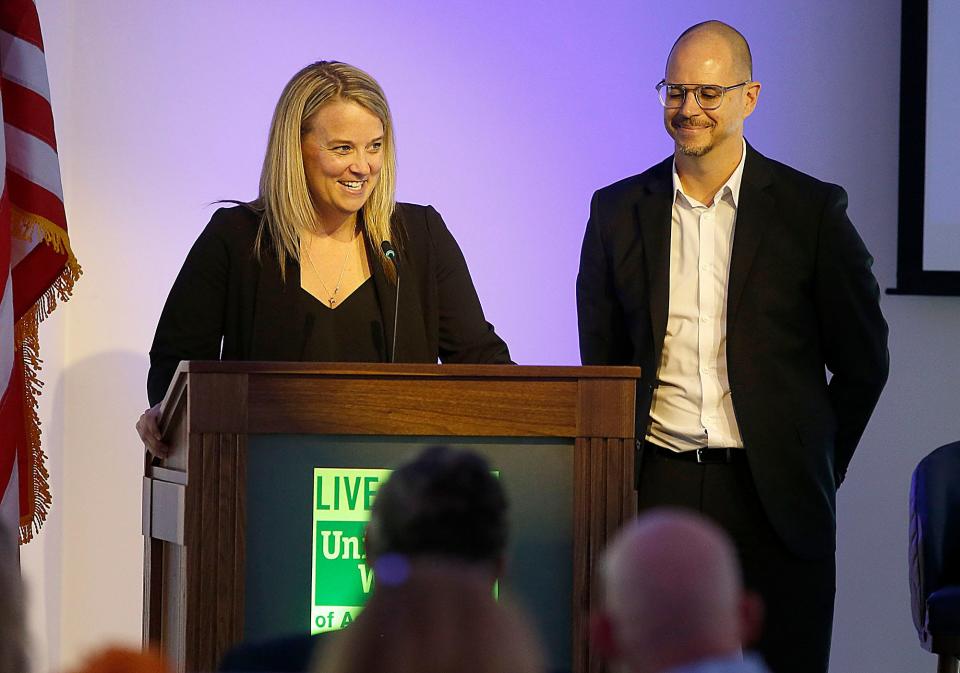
736, 283
673, 599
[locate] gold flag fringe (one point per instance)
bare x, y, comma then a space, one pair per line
28, 346
24, 224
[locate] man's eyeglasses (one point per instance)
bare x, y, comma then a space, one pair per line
709, 96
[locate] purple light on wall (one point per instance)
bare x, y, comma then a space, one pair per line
509, 116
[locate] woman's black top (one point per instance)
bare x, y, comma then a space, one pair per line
352, 332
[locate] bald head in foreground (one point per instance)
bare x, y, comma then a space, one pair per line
674, 599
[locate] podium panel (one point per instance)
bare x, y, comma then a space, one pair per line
236, 517
283, 547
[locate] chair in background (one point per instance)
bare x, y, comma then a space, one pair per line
935, 554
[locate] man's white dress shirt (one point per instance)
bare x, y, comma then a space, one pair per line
692, 407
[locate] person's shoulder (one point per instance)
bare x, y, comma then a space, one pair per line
238, 222
630, 188
284, 653
232, 231
414, 213
786, 177
417, 223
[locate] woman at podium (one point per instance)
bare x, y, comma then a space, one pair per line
324, 265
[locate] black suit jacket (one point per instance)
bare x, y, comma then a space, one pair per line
226, 304
800, 298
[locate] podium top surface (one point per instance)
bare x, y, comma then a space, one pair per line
369, 398
406, 369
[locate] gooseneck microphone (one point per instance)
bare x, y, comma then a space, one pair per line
388, 250
391, 254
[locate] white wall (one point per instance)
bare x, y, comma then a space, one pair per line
509, 116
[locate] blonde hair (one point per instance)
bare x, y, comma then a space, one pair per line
285, 201
440, 617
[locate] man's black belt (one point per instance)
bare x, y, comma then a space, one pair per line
702, 456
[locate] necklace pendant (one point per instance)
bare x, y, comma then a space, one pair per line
332, 302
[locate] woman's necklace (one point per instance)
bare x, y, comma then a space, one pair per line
332, 296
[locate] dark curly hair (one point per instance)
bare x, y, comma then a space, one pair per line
444, 503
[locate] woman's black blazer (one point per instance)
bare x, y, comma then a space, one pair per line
227, 304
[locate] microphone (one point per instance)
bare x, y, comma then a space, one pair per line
391, 254
388, 250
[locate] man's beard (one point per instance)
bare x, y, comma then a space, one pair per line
692, 150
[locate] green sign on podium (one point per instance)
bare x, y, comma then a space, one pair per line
341, 579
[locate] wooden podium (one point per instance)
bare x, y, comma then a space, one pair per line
194, 501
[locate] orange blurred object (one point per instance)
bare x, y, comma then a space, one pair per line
124, 660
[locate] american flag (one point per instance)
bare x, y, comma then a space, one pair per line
37, 267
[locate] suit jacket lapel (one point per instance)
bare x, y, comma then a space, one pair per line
754, 210
654, 218
280, 330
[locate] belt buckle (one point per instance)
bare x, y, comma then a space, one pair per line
702, 458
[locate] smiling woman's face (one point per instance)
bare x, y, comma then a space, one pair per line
342, 157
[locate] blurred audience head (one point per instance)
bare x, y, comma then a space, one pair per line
672, 595
444, 503
434, 616
117, 659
